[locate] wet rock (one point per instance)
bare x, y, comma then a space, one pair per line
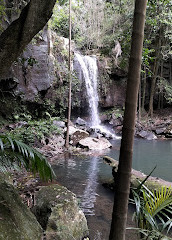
147, 135
168, 133
59, 123
107, 135
16, 220
81, 122
76, 135
94, 143
115, 122
58, 213
160, 131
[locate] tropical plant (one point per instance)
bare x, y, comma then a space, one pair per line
153, 211
14, 153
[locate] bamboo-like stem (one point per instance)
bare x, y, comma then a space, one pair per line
120, 209
70, 80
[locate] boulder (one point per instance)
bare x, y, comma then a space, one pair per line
160, 131
59, 123
58, 213
76, 135
81, 122
147, 135
94, 143
16, 221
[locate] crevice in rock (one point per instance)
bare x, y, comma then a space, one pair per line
42, 215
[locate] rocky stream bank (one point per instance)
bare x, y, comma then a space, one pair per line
59, 214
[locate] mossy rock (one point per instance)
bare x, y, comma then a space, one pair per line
153, 183
58, 213
16, 220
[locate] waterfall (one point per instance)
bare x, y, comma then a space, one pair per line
89, 72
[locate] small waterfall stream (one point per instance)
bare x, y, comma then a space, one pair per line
90, 72
88, 65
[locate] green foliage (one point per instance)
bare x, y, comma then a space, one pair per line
2, 14
2, 9
158, 27
35, 130
60, 22
147, 59
165, 88
153, 210
14, 152
95, 24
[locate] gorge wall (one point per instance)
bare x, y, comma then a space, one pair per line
39, 80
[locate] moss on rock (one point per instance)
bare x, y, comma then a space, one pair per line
16, 220
58, 212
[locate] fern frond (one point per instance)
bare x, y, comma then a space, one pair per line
14, 152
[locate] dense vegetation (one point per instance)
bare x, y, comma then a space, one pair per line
99, 26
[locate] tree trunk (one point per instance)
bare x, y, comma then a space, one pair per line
170, 62
144, 89
160, 42
153, 84
119, 216
21, 31
140, 99
160, 92
70, 80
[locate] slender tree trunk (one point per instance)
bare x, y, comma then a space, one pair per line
140, 99
156, 68
119, 216
153, 84
70, 80
160, 92
144, 89
170, 62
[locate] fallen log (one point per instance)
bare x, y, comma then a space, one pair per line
153, 183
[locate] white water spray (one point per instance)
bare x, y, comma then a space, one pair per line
89, 69
90, 72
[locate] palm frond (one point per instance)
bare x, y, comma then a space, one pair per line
14, 152
153, 209
161, 200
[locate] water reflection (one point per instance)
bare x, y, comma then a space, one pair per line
89, 196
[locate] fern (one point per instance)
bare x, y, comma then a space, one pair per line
14, 154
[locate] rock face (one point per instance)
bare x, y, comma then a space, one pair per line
16, 220
34, 70
94, 143
58, 213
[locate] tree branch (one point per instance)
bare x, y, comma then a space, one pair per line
20, 32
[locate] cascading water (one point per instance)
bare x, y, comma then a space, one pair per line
89, 69
88, 65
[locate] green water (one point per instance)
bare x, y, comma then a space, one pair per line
84, 176
148, 154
